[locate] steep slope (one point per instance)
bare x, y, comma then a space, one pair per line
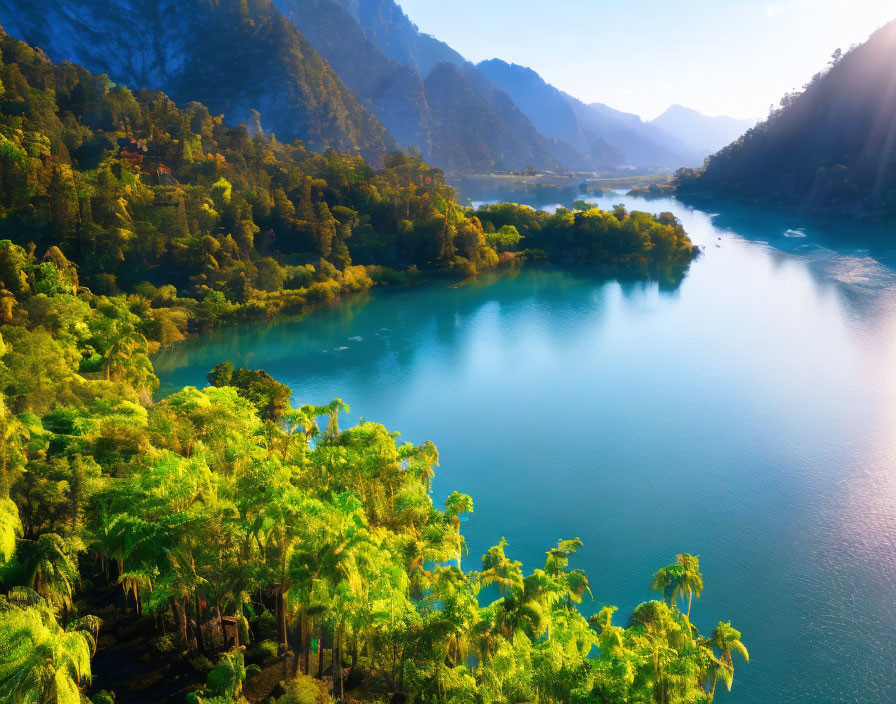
550, 112
390, 89
832, 146
459, 119
478, 128
698, 132
393, 33
232, 55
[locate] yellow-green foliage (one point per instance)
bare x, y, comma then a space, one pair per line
305, 690
241, 226
39, 661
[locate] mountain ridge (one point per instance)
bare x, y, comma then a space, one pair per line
830, 147
457, 118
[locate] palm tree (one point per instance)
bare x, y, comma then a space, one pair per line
688, 580
39, 661
662, 580
51, 570
683, 576
458, 504
284, 526
421, 462
519, 610
123, 348
332, 411
728, 640
227, 677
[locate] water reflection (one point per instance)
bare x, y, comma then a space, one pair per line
363, 333
748, 415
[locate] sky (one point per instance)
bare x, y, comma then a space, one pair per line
731, 57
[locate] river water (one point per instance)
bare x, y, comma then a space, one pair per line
747, 415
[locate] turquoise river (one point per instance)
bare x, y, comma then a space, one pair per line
748, 415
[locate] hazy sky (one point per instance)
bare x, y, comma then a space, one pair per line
733, 57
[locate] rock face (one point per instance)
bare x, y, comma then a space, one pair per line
832, 147
233, 55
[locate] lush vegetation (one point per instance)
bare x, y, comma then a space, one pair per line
202, 223
236, 528
231, 533
828, 147
616, 240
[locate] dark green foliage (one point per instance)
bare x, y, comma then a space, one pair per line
619, 240
829, 147
269, 396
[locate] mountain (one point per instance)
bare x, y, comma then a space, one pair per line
477, 127
455, 116
604, 137
393, 33
235, 56
551, 113
831, 147
642, 144
393, 91
699, 132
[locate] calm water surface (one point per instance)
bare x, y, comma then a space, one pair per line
748, 415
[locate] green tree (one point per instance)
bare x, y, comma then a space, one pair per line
39, 660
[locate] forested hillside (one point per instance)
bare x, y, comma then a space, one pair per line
234, 56
830, 147
210, 224
393, 91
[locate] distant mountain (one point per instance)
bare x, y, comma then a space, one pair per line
391, 90
232, 55
393, 33
551, 112
642, 144
604, 137
698, 132
459, 119
833, 146
477, 127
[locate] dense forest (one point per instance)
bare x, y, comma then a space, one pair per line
225, 544
830, 147
204, 223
